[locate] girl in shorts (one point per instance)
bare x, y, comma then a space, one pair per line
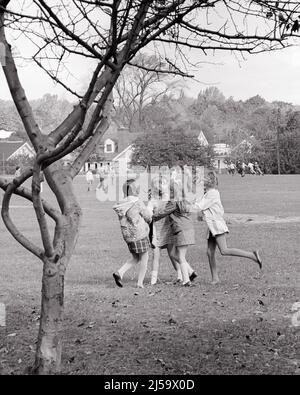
213, 212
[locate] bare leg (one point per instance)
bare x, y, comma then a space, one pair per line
211, 250
143, 261
175, 262
173, 258
155, 265
128, 264
181, 252
224, 250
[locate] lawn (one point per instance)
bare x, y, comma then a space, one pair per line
241, 326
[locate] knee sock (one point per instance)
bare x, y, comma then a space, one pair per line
124, 268
190, 269
179, 274
154, 277
142, 273
185, 273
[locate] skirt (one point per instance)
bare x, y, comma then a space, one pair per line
184, 237
216, 228
139, 246
162, 233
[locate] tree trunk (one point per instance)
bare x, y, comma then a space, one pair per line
49, 345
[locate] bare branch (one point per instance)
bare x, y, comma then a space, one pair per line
10, 188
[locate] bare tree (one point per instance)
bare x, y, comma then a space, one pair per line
110, 33
141, 84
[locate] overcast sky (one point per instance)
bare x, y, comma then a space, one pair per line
274, 76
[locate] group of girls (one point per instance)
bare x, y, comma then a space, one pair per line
167, 222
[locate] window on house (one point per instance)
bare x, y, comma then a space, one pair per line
109, 147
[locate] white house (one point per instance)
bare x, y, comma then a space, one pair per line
13, 149
222, 151
125, 155
202, 139
115, 145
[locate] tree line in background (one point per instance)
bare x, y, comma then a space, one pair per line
173, 119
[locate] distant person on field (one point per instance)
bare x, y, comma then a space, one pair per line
17, 172
258, 169
211, 207
112, 175
251, 168
244, 166
89, 179
241, 168
134, 218
102, 175
231, 169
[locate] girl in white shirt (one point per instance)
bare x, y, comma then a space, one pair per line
213, 212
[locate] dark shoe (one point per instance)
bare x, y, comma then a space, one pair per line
259, 261
178, 281
188, 284
117, 278
193, 276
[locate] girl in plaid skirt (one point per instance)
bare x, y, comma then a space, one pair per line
134, 217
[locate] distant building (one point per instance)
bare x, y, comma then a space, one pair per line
202, 139
115, 144
222, 151
4, 134
12, 149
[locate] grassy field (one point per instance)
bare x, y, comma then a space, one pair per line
241, 326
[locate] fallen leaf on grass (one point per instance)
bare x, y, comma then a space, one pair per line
91, 325
71, 360
258, 312
80, 341
221, 304
280, 337
161, 361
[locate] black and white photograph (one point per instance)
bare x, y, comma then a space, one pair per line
149, 190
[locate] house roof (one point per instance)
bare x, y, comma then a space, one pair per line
121, 154
121, 136
8, 148
4, 134
202, 139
